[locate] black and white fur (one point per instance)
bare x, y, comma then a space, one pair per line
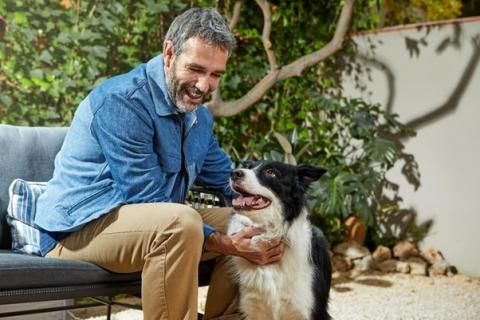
296, 287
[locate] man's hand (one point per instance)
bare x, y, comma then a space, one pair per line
240, 244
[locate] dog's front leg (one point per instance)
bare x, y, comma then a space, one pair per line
237, 223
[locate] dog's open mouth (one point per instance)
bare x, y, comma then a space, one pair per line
247, 201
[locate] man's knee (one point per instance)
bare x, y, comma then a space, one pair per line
190, 222
185, 222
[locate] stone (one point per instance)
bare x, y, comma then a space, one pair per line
389, 265
351, 250
341, 263
439, 268
382, 253
404, 250
418, 266
402, 267
452, 270
365, 264
432, 256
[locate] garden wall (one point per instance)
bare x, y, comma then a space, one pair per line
429, 75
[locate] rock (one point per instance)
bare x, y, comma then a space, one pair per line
402, 267
432, 256
452, 270
389, 265
341, 263
404, 250
351, 250
439, 268
418, 266
365, 264
382, 253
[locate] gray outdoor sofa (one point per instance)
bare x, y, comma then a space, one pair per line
28, 153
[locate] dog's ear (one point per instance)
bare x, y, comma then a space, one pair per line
247, 164
308, 174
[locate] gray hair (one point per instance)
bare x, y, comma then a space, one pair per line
204, 23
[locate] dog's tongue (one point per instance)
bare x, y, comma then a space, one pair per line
249, 201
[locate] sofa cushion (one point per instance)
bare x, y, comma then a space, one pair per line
23, 271
19, 271
25, 153
21, 215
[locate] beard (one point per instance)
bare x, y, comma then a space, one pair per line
175, 90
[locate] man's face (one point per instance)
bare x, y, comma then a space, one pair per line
194, 73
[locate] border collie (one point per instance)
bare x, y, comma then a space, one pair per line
272, 194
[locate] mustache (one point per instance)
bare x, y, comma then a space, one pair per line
194, 90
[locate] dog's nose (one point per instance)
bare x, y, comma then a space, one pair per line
237, 174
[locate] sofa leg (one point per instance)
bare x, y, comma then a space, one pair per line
109, 308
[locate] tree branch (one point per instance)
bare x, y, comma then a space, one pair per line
298, 66
230, 108
5, 80
267, 28
216, 96
235, 15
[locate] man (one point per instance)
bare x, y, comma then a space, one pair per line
135, 146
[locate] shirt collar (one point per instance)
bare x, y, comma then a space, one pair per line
158, 85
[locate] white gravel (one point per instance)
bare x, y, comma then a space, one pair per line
377, 296
405, 297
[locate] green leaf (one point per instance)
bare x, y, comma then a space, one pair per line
234, 81
96, 51
275, 156
20, 18
5, 100
26, 83
46, 57
37, 73
108, 24
382, 151
155, 8
42, 84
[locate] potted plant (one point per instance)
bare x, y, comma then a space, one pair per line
357, 143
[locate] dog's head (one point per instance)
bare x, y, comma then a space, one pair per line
274, 185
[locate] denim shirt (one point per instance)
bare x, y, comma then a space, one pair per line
125, 146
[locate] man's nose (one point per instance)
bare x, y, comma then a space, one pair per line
237, 174
203, 84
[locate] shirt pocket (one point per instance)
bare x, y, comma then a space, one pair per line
86, 195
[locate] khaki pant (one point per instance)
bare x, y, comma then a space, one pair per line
164, 241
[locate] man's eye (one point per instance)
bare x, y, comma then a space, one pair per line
270, 173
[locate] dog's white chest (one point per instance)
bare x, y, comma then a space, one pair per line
282, 290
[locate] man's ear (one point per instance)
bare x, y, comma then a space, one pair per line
168, 53
308, 174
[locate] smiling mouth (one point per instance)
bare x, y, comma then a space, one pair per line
247, 201
193, 93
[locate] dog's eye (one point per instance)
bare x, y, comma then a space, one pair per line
270, 173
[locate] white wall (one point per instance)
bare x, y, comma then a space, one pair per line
435, 87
